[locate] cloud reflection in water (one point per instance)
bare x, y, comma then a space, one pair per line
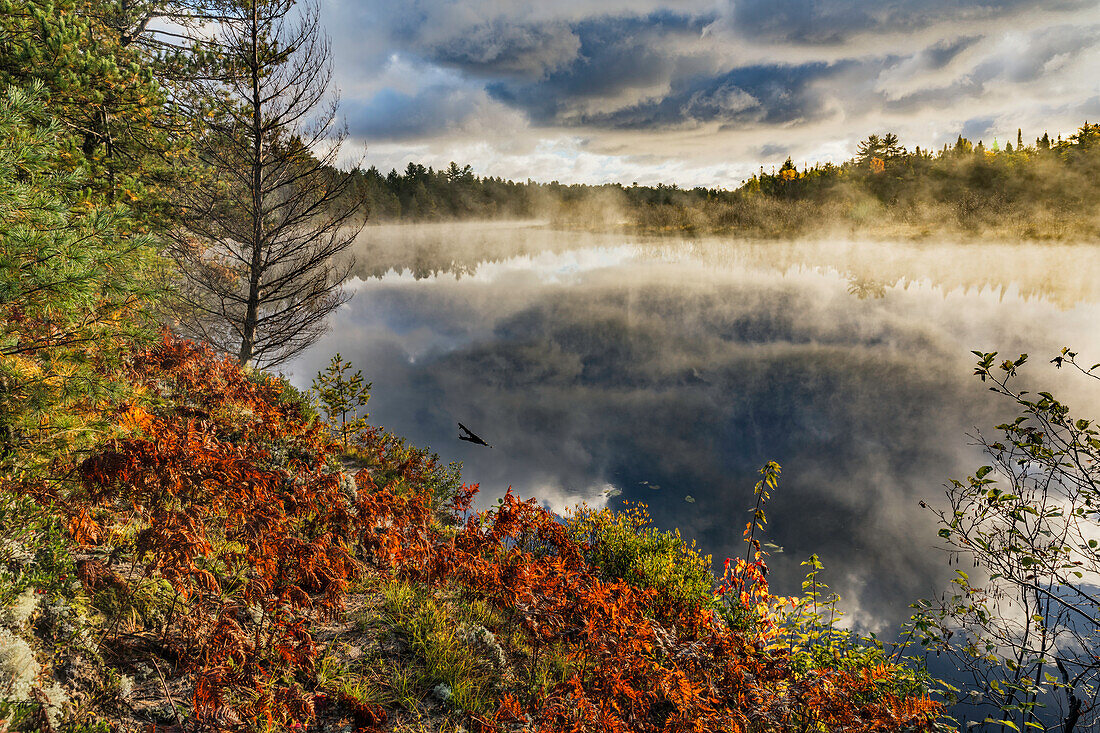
624, 367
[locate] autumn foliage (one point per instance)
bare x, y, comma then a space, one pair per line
243, 523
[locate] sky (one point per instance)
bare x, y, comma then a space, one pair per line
696, 92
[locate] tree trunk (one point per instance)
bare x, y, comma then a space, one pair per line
248, 330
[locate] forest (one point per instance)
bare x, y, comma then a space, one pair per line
189, 543
1041, 190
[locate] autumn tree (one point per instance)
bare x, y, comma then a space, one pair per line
261, 230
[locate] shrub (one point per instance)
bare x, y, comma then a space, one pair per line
624, 546
34, 549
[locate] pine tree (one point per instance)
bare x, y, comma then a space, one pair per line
872, 147
73, 286
342, 396
891, 146
109, 108
260, 233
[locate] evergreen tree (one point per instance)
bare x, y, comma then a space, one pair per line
260, 232
342, 398
73, 285
109, 108
891, 147
872, 147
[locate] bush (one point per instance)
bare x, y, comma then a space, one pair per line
34, 550
624, 546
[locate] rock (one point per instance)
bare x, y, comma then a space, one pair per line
348, 488
162, 713
143, 672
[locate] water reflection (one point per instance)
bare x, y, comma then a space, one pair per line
665, 370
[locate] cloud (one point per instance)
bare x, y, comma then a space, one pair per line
655, 87
835, 22
622, 62
494, 48
435, 110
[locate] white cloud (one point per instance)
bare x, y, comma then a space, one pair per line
679, 91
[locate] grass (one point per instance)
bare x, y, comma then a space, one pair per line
431, 636
423, 648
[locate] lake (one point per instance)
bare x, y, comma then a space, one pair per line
671, 369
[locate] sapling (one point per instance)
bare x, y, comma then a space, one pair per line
342, 397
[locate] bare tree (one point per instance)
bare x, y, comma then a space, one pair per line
261, 229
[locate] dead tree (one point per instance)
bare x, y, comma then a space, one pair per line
261, 231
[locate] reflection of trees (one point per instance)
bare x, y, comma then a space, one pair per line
863, 288
429, 250
1058, 273
1062, 274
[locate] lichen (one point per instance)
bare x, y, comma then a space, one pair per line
24, 606
18, 667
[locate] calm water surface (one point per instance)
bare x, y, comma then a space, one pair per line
670, 371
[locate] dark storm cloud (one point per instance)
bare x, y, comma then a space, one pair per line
515, 87
772, 94
552, 69
830, 22
600, 45
500, 48
616, 55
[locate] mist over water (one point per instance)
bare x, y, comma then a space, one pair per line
668, 369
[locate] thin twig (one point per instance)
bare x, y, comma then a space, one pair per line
167, 693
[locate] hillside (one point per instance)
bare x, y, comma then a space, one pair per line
219, 562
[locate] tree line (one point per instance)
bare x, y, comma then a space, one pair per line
1042, 190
